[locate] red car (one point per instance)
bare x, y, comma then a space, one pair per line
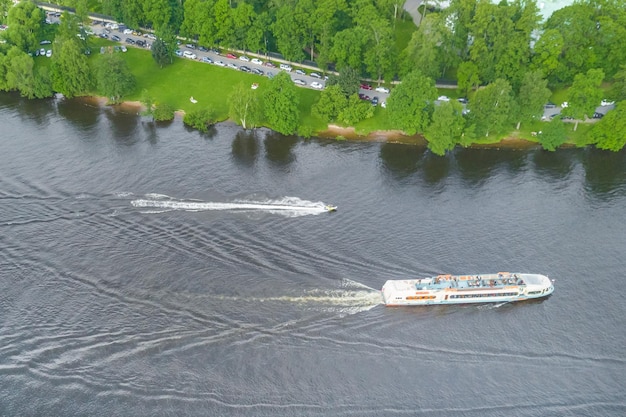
366, 86
231, 56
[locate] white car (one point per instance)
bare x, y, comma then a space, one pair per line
443, 98
256, 61
49, 53
382, 90
231, 65
298, 81
315, 75
244, 58
317, 85
128, 31
285, 67
606, 103
300, 72
220, 64
189, 54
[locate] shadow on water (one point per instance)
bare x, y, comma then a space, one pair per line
400, 161
82, 114
477, 165
245, 147
557, 165
279, 148
605, 172
124, 125
38, 111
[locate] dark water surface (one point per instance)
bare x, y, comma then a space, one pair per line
153, 270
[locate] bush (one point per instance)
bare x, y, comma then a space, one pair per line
200, 119
163, 112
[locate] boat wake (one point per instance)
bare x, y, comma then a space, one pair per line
350, 299
286, 206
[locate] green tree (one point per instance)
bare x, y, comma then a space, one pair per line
424, 50
618, 89
349, 47
584, 95
164, 47
348, 80
25, 21
491, 108
113, 77
224, 25
446, 128
280, 102
148, 104
19, 72
355, 111
243, 19
410, 104
533, 95
553, 134
467, 77
42, 87
546, 53
245, 106
288, 34
157, 12
608, 133
71, 73
332, 101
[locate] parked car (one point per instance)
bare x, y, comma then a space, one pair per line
116, 38
178, 52
443, 98
606, 103
45, 42
49, 53
374, 101
130, 41
231, 56
189, 54
598, 115
462, 100
190, 46
317, 85
140, 43
564, 104
300, 72
257, 71
366, 87
220, 64
315, 75
256, 61
285, 67
549, 105
382, 90
42, 52
202, 49
207, 60
244, 58
244, 68
298, 81
123, 48
269, 64
150, 36
127, 31
231, 65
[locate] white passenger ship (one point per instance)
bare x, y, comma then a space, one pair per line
463, 289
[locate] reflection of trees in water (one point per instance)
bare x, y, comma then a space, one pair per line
605, 172
435, 168
558, 165
477, 165
82, 113
279, 148
125, 125
38, 111
399, 160
245, 147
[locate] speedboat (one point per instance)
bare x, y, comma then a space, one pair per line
330, 208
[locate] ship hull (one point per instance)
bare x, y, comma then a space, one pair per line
502, 287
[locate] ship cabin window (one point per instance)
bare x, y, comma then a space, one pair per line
534, 292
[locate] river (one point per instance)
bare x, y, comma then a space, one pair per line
154, 270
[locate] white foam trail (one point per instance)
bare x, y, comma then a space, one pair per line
287, 206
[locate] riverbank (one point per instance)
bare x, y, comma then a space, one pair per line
340, 132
